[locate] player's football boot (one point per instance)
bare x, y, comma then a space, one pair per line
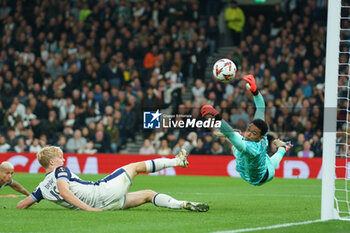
286, 145
182, 156
195, 206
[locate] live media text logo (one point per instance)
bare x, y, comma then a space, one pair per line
152, 120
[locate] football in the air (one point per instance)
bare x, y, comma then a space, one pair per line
224, 70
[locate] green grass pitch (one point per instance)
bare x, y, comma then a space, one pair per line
234, 204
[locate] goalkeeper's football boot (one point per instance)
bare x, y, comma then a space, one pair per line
195, 206
182, 156
286, 145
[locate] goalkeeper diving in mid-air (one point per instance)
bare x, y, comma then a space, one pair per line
252, 161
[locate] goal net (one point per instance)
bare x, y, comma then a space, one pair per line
336, 169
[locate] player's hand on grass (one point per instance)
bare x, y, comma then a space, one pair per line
94, 209
250, 82
9, 195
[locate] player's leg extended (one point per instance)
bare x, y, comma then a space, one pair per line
134, 199
154, 165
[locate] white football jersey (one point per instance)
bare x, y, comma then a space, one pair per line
101, 194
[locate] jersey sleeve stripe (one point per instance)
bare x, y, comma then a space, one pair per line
33, 197
36, 195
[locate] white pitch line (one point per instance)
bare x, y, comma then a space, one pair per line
269, 227
251, 195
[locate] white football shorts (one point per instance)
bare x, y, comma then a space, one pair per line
113, 189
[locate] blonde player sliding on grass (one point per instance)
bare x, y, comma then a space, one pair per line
64, 188
6, 174
252, 161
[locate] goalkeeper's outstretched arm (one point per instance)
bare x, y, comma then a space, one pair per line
260, 107
234, 137
258, 98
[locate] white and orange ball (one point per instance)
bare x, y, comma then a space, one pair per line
224, 70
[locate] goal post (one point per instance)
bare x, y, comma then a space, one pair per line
333, 207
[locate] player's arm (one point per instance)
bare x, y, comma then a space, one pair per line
260, 107
35, 197
9, 195
19, 188
258, 98
63, 188
26, 203
234, 137
63, 175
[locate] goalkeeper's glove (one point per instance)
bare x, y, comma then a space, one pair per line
251, 84
209, 110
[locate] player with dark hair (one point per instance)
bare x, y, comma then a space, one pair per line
252, 161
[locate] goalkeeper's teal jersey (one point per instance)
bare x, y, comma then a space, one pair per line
251, 157
251, 163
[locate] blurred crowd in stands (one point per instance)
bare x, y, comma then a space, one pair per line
285, 51
79, 74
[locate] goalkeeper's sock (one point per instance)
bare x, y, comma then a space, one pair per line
159, 164
163, 200
277, 157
